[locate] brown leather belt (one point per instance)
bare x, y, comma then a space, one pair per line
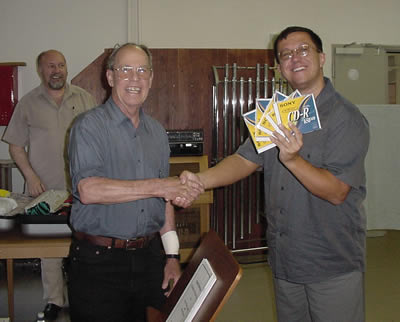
111, 242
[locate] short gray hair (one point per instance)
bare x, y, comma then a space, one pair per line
117, 48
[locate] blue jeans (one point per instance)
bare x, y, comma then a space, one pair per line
114, 285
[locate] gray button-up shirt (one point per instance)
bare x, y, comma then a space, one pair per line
104, 143
309, 238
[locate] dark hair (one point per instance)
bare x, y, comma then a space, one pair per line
117, 48
286, 32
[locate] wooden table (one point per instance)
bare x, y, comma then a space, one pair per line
14, 244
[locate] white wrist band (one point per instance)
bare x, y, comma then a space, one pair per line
170, 242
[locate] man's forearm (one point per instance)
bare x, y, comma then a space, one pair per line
228, 171
320, 182
109, 191
20, 156
168, 232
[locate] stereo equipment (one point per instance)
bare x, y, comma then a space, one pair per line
186, 142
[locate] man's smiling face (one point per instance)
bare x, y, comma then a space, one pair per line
53, 70
130, 91
303, 67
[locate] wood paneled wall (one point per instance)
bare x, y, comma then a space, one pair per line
181, 94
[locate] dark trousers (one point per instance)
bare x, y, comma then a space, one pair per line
114, 285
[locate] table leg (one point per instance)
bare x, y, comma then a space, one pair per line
10, 286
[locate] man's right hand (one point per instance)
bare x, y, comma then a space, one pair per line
196, 187
183, 191
35, 186
20, 156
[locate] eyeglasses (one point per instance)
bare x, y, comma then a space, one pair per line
126, 72
303, 51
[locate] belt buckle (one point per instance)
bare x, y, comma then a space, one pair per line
127, 244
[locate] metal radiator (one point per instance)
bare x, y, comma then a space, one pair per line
238, 210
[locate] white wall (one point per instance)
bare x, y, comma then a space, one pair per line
81, 29
250, 23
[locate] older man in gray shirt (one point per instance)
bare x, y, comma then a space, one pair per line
119, 159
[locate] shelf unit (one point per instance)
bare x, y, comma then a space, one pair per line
192, 222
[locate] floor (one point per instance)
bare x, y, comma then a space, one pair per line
253, 299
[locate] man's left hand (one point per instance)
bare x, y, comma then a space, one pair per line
172, 272
290, 144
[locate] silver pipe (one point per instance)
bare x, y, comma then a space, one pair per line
241, 100
215, 141
214, 159
249, 106
216, 77
250, 100
234, 103
216, 116
248, 249
233, 140
226, 102
265, 80
257, 176
242, 111
258, 81
273, 85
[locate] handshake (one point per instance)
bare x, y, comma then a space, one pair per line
182, 191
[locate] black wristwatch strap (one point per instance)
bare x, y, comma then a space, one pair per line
177, 256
